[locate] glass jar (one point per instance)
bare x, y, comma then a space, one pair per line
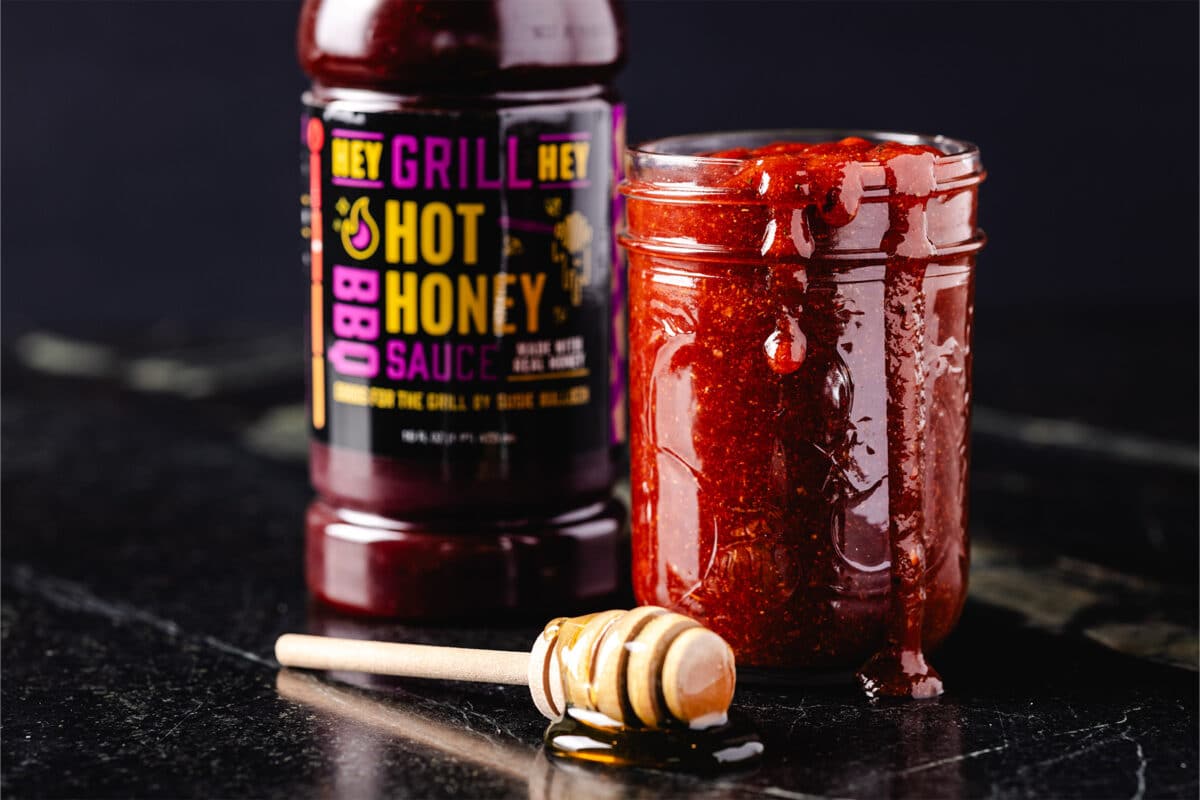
466, 341
800, 364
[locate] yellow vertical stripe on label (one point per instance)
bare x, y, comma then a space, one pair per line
318, 392
318, 324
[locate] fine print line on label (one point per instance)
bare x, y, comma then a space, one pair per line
550, 376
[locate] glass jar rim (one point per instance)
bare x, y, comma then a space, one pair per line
674, 166
690, 146
673, 174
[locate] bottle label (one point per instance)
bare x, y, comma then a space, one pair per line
462, 270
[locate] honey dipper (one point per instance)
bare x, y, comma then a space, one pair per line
648, 667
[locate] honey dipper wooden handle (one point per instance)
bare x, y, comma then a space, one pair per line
408, 660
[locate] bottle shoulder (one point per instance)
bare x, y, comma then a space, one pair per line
351, 100
406, 46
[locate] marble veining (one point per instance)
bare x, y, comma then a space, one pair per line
151, 554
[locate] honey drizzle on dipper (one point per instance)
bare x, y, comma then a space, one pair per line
647, 688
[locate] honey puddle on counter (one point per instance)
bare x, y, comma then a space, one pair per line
584, 735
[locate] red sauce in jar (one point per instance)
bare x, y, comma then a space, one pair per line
800, 370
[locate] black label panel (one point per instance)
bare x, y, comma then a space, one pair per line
461, 268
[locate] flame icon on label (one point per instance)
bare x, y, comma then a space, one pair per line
360, 232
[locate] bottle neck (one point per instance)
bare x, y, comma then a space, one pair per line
410, 47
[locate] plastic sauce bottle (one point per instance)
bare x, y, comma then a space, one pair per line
466, 331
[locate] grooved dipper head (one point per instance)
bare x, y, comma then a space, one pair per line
647, 667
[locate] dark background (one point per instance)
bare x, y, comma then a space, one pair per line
149, 162
152, 542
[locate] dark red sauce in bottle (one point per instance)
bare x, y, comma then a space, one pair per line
467, 365
800, 371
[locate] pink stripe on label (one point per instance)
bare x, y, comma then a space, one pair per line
617, 421
346, 133
564, 137
357, 182
529, 226
566, 185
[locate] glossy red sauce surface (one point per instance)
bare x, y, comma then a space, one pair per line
800, 371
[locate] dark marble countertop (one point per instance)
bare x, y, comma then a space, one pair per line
153, 491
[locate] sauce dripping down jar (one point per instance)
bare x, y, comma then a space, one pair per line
800, 358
